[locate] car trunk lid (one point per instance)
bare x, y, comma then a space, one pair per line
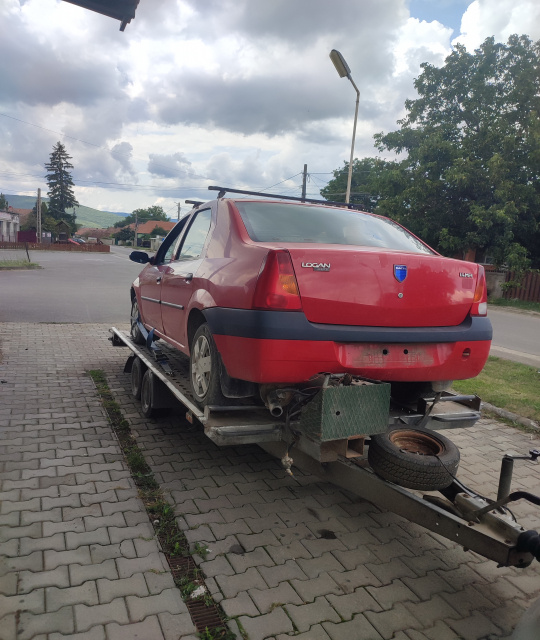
373, 287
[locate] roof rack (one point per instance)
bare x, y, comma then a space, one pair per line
195, 203
224, 190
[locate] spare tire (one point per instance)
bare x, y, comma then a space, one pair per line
414, 457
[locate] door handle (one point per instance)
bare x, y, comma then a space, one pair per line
188, 277
158, 279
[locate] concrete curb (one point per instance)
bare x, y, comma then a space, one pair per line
526, 422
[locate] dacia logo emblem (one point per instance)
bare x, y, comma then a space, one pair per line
400, 272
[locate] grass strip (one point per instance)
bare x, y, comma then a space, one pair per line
172, 539
508, 385
18, 264
526, 305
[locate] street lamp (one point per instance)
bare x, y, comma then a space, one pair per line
344, 72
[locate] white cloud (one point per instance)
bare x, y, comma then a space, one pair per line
498, 18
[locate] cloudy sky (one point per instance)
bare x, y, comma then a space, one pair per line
239, 93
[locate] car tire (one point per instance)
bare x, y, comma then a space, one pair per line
147, 388
415, 458
137, 373
135, 332
204, 369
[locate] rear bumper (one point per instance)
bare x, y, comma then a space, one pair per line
273, 346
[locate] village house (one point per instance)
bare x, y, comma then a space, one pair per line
9, 226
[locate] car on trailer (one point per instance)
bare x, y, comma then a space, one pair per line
317, 332
265, 293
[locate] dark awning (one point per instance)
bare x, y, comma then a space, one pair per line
123, 10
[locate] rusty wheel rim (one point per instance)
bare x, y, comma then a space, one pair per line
416, 443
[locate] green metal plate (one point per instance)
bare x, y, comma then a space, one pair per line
343, 412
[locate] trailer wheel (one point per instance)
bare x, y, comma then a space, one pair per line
147, 393
204, 368
135, 332
415, 458
137, 373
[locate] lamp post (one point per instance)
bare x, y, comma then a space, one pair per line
344, 72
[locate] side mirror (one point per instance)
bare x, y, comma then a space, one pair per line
139, 256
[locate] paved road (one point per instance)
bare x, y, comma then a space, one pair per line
71, 287
516, 336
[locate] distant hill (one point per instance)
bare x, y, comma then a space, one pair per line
86, 216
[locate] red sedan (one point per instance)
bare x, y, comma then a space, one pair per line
272, 293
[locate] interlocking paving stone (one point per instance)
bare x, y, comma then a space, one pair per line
267, 599
30, 625
81, 573
306, 615
152, 562
242, 605
95, 633
168, 600
232, 585
175, 626
269, 624
85, 593
33, 602
357, 629
149, 628
308, 590
350, 604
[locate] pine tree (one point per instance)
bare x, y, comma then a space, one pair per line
61, 196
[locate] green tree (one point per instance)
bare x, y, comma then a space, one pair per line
365, 182
48, 223
125, 234
3, 202
61, 195
143, 215
470, 149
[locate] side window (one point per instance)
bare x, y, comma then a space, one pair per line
195, 237
171, 251
170, 244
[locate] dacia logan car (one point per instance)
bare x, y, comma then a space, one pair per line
265, 294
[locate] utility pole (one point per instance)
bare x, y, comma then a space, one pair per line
38, 215
304, 182
179, 207
136, 225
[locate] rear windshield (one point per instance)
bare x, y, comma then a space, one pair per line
285, 222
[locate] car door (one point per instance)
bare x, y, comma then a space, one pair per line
151, 278
179, 279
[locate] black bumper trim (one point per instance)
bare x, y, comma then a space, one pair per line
293, 325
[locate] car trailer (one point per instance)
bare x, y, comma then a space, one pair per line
409, 468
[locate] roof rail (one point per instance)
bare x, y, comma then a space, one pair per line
195, 203
224, 190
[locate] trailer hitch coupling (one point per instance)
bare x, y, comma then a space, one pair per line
529, 541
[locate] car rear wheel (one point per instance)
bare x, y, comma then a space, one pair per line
137, 373
204, 368
135, 332
413, 457
147, 387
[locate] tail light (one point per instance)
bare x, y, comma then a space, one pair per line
277, 288
479, 305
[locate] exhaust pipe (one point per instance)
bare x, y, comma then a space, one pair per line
275, 399
275, 409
